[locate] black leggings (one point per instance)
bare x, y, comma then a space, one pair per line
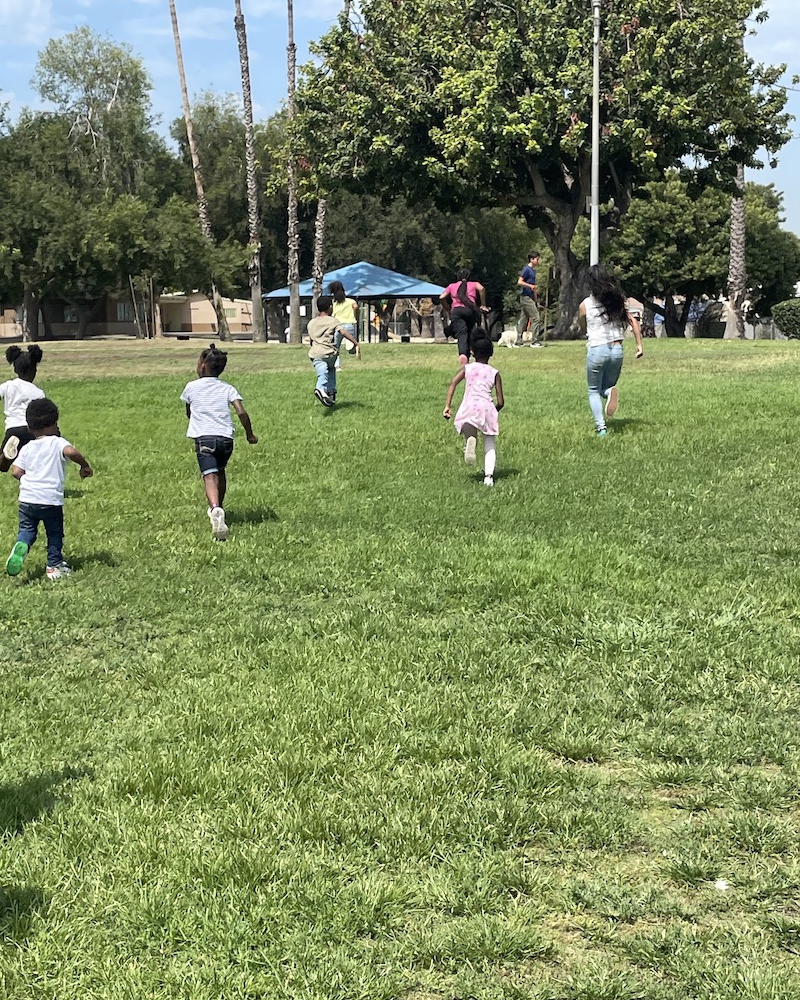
462, 323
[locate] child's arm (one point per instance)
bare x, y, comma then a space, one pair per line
188, 411
458, 377
352, 339
75, 456
16, 472
498, 393
242, 414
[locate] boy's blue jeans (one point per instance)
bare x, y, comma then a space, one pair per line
31, 515
326, 373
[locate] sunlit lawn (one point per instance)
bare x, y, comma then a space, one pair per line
404, 736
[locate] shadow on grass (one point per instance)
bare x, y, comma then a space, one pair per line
625, 423
18, 906
499, 474
255, 515
32, 798
346, 404
73, 494
103, 558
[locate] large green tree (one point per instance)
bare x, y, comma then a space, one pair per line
486, 101
675, 241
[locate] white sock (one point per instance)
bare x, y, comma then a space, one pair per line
489, 455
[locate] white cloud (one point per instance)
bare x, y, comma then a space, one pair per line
26, 21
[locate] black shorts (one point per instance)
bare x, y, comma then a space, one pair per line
213, 453
25, 436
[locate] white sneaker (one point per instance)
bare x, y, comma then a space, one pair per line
219, 529
58, 572
11, 448
612, 402
488, 481
469, 450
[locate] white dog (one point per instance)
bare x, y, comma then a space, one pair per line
508, 338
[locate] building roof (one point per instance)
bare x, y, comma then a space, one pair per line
367, 281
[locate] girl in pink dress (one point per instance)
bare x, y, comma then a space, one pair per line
478, 412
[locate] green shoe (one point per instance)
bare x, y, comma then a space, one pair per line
16, 559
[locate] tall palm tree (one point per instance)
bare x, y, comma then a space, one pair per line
737, 267
253, 215
293, 234
202, 203
318, 267
737, 264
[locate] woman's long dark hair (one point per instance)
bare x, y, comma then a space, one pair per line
606, 289
462, 293
336, 289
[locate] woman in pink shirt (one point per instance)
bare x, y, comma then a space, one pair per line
465, 300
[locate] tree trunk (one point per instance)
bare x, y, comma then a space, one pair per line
202, 203
571, 275
253, 215
318, 268
737, 269
30, 316
293, 234
155, 304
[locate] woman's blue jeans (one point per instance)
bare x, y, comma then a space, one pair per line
603, 367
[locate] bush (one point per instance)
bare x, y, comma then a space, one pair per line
787, 317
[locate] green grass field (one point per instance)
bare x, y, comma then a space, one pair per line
404, 736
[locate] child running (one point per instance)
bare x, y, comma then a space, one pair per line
40, 468
477, 411
322, 332
16, 394
208, 400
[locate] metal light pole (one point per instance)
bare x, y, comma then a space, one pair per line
594, 201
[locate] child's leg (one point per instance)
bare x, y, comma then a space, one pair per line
53, 521
470, 435
211, 484
330, 385
489, 455
321, 370
28, 523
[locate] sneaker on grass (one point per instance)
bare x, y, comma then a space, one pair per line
488, 481
219, 529
58, 572
16, 559
11, 448
323, 397
612, 402
469, 450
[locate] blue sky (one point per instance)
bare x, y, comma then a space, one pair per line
212, 63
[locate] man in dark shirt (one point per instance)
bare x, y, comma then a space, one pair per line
529, 311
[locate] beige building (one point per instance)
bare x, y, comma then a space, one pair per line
193, 313
180, 314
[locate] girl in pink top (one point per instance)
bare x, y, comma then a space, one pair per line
478, 412
465, 300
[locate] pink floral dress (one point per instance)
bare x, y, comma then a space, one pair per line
477, 407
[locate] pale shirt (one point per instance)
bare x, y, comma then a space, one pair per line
45, 467
209, 402
600, 329
321, 332
16, 394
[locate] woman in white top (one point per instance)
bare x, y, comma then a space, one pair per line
603, 318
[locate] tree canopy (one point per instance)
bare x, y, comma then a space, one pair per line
482, 101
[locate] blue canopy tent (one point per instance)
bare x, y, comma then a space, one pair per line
367, 283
